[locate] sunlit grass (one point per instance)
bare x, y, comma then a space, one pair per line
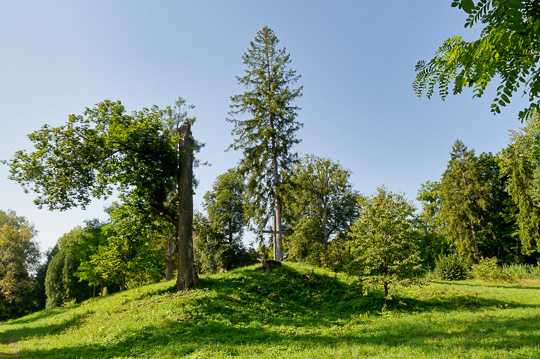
291, 312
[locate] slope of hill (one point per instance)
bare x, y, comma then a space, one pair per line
294, 311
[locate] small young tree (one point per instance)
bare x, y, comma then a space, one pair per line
383, 245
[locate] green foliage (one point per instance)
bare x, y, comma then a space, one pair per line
451, 267
134, 252
54, 286
213, 251
497, 237
19, 256
464, 195
384, 248
516, 272
267, 135
36, 297
486, 269
147, 155
61, 284
506, 51
225, 206
520, 163
320, 205
429, 225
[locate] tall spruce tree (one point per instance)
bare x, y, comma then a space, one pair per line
267, 133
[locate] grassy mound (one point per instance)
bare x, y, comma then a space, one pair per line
293, 311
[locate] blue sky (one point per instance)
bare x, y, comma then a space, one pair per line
356, 58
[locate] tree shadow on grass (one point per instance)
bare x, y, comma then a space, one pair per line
505, 285
14, 335
254, 309
184, 338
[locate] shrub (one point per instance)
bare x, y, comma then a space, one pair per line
520, 271
451, 267
487, 269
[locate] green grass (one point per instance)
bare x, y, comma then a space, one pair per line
290, 312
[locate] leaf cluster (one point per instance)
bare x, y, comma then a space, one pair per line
508, 49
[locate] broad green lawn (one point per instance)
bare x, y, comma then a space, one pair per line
291, 312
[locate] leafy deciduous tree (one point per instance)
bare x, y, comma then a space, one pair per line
148, 154
19, 255
384, 248
320, 204
225, 205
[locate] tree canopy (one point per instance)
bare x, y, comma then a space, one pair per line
19, 256
321, 203
384, 248
507, 51
148, 155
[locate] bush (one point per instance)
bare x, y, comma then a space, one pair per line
451, 267
487, 269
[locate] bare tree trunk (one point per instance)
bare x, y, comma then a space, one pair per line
325, 229
170, 247
187, 277
278, 253
475, 242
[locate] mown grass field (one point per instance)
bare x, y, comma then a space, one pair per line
290, 312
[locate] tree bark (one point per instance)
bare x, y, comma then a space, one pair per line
278, 253
187, 277
170, 244
475, 242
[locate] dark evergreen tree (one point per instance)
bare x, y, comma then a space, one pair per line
464, 199
520, 162
268, 134
498, 235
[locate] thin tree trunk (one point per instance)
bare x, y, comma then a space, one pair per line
475, 242
325, 229
277, 227
187, 277
170, 246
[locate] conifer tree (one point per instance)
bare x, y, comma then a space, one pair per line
520, 162
463, 200
267, 133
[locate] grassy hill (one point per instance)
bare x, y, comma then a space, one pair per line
294, 311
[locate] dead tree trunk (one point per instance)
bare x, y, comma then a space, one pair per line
187, 277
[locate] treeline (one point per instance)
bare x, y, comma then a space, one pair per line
483, 207
302, 209
487, 206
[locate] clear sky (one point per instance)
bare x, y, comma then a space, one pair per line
356, 58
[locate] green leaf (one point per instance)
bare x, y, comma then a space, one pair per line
467, 6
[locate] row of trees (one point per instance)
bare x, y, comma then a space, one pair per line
482, 206
488, 205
